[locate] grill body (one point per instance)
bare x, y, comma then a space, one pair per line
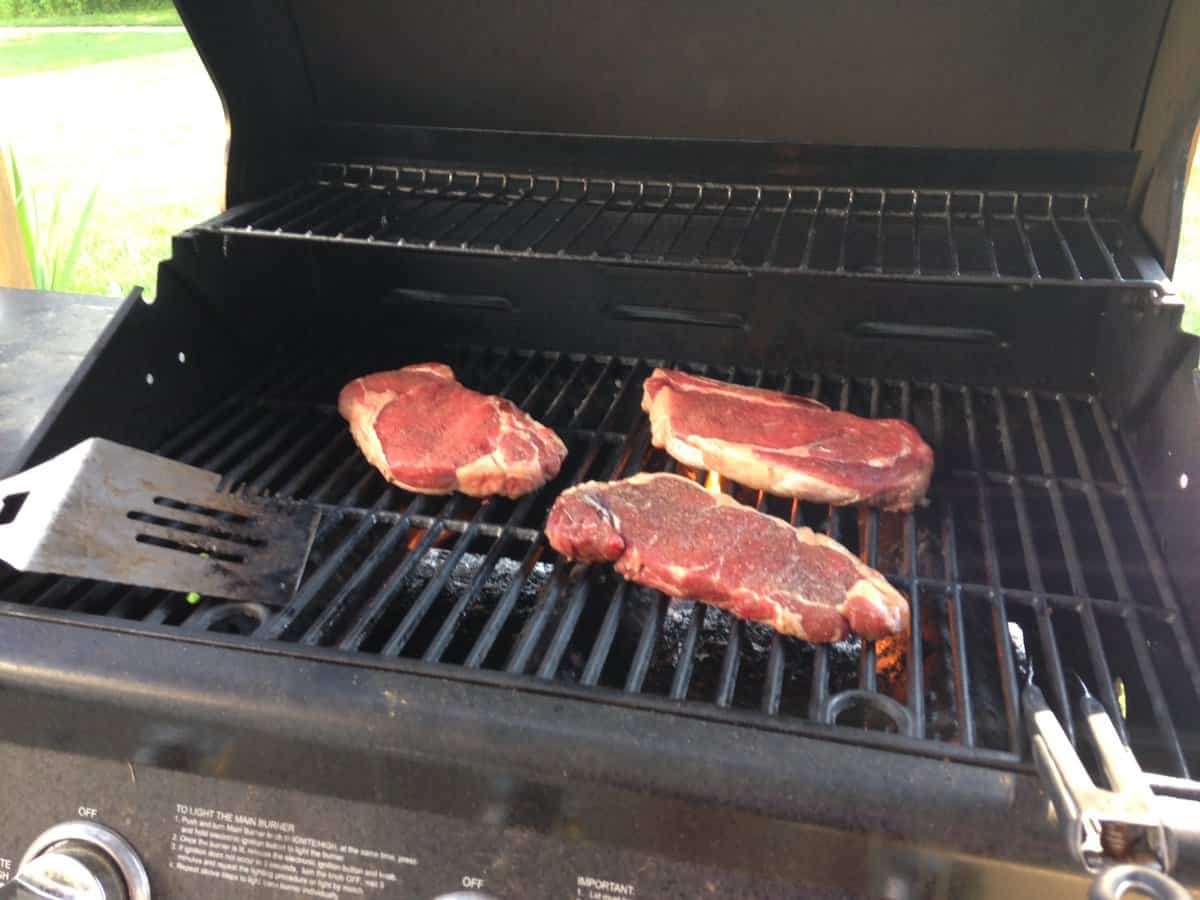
443, 688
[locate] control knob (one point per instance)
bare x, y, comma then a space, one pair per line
79, 861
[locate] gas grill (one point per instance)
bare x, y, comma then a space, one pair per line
975, 240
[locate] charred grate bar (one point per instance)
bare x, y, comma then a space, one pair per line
1034, 551
941, 235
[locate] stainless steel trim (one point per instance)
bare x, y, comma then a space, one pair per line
137, 882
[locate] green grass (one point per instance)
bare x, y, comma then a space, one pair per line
52, 241
126, 242
165, 16
159, 171
63, 50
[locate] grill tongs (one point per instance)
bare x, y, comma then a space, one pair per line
1118, 832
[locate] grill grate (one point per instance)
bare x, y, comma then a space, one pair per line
944, 235
1034, 551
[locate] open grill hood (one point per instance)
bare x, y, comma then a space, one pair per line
446, 82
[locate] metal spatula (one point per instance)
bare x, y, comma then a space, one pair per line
106, 511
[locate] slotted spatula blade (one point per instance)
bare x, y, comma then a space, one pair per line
114, 513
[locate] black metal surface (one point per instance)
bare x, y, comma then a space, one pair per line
1018, 76
991, 237
301, 83
1033, 519
440, 847
1108, 172
153, 367
43, 338
680, 789
1158, 405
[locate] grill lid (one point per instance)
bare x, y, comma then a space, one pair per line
299, 76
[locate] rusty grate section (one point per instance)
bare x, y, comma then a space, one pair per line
1033, 552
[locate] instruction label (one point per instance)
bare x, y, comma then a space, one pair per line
589, 888
264, 853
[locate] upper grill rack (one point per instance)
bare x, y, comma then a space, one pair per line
910, 233
1035, 527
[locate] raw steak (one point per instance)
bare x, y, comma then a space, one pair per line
669, 533
425, 432
785, 445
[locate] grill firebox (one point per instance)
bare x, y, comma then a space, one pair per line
1034, 551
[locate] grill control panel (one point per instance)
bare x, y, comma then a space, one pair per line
204, 837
